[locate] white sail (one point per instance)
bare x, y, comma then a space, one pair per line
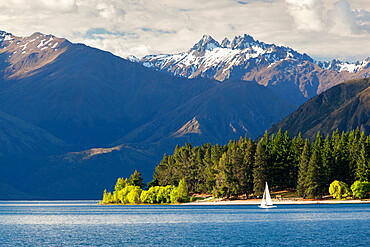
268, 197
263, 202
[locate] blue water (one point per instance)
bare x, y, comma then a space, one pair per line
87, 224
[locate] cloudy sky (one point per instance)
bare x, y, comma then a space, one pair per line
324, 29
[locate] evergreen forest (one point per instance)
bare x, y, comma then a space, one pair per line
241, 168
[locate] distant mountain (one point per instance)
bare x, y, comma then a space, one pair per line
294, 76
344, 107
110, 116
227, 111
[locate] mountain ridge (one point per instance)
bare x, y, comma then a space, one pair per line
270, 65
345, 107
114, 115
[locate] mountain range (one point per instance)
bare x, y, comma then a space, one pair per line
294, 76
74, 118
88, 116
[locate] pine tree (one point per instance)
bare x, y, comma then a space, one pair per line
276, 160
296, 153
136, 180
224, 181
313, 189
260, 169
303, 168
237, 182
209, 173
248, 162
327, 162
363, 165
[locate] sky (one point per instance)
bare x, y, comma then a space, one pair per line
324, 29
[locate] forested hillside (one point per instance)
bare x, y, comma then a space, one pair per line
344, 107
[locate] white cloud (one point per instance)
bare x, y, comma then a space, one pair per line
336, 18
307, 14
40, 5
140, 27
346, 21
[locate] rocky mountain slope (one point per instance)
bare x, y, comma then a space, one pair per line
111, 116
344, 107
294, 76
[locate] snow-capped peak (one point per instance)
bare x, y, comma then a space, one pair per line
340, 66
226, 43
4, 36
209, 58
238, 58
132, 58
205, 44
242, 42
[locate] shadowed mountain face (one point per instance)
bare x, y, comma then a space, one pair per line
293, 76
344, 107
22, 146
20, 137
86, 117
89, 97
227, 111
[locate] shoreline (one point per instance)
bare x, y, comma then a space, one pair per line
287, 202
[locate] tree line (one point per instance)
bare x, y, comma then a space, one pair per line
242, 167
132, 191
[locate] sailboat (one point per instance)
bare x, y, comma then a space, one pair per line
266, 199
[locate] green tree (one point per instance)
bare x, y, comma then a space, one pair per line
360, 189
327, 162
248, 162
303, 168
136, 179
133, 196
167, 193
363, 165
224, 174
107, 197
338, 189
175, 195
144, 196
183, 193
260, 169
122, 194
238, 172
121, 183
209, 173
296, 153
313, 189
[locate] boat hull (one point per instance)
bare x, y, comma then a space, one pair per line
267, 206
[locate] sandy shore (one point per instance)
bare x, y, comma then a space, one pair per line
277, 202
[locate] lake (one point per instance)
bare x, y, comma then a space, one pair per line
81, 223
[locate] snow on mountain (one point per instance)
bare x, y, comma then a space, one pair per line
294, 76
27, 45
39, 49
340, 66
208, 58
